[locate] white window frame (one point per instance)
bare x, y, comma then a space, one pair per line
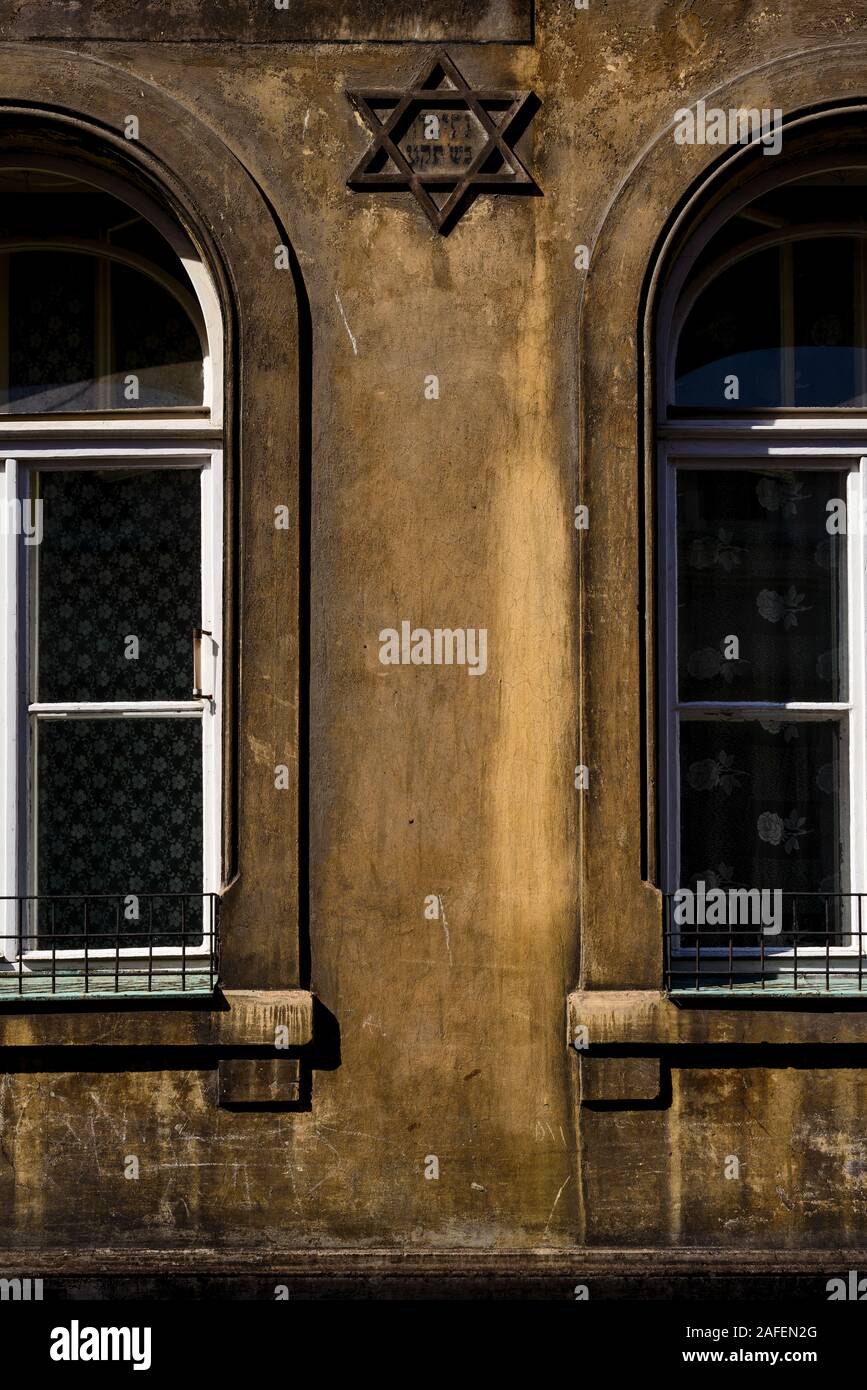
180, 438
17, 717
787, 445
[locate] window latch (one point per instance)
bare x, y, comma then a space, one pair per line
198, 692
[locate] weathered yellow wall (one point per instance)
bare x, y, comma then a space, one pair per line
426, 781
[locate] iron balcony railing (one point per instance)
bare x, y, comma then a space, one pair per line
109, 944
751, 941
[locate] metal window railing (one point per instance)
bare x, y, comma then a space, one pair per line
109, 944
782, 943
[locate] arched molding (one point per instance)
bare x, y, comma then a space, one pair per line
205, 195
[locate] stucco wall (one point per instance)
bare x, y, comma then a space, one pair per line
424, 781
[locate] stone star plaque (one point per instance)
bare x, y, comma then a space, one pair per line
443, 142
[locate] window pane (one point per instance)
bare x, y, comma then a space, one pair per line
52, 333
804, 297
119, 584
761, 586
62, 355
154, 341
118, 811
789, 319
762, 806
827, 364
733, 329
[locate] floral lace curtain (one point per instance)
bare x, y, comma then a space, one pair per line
761, 617
119, 799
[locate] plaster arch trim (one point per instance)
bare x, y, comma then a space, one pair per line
664, 195
185, 166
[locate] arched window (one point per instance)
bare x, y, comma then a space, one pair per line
762, 409
110, 573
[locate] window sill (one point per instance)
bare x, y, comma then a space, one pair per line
649, 1018
234, 1019
626, 1032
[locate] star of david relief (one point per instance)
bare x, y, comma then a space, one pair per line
443, 142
